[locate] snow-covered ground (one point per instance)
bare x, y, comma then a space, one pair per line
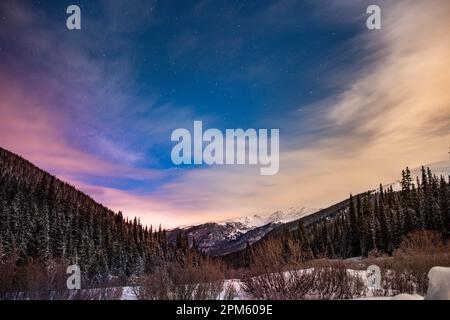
438, 287
128, 293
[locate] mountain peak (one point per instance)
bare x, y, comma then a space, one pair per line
230, 235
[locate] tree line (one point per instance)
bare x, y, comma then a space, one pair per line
44, 219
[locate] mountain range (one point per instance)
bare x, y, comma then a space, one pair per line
220, 238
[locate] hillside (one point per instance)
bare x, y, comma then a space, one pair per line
376, 221
45, 219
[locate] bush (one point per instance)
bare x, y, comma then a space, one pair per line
38, 281
173, 281
333, 282
407, 270
291, 285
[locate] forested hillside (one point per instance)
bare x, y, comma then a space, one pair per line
44, 219
379, 221
45, 222
374, 222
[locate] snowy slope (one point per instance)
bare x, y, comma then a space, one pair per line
244, 224
256, 220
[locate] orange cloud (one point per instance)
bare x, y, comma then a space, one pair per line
394, 113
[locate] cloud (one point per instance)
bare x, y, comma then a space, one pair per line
30, 129
391, 109
72, 108
394, 112
69, 106
402, 97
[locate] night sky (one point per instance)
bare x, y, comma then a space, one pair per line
96, 106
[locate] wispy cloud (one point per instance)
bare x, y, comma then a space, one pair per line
87, 119
69, 105
394, 112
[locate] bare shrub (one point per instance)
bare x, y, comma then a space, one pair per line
172, 281
230, 291
337, 283
38, 281
398, 282
33, 280
422, 242
277, 256
106, 293
266, 257
291, 285
318, 283
407, 270
409, 274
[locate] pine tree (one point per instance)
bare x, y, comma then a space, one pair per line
444, 203
367, 232
304, 243
355, 246
385, 240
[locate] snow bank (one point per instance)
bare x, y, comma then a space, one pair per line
405, 296
128, 293
438, 284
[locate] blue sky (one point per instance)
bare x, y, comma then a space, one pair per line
96, 106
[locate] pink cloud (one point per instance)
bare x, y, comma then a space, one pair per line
31, 128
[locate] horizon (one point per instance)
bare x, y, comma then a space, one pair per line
96, 107
415, 173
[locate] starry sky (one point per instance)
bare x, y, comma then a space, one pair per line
97, 106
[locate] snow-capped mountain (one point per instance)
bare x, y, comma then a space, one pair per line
219, 238
256, 220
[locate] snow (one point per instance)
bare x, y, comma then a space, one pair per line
257, 220
405, 296
237, 287
438, 287
128, 293
438, 284
218, 238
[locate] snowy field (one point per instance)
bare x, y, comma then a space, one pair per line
438, 287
